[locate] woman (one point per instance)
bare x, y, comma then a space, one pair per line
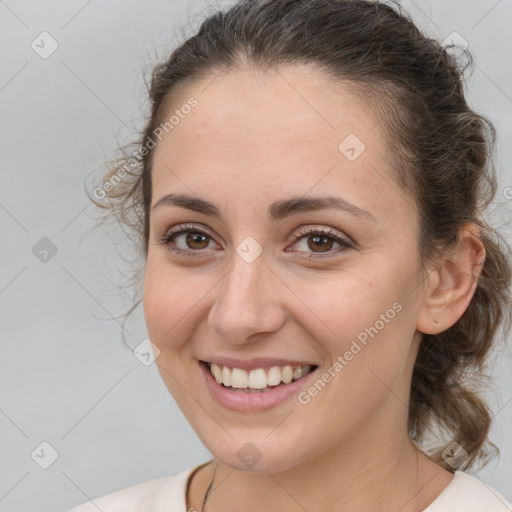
319, 283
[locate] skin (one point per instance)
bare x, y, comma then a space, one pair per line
254, 138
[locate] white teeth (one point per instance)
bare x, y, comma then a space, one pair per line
217, 372
226, 375
239, 378
274, 376
287, 374
257, 378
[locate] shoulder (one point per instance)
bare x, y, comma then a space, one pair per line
160, 494
466, 493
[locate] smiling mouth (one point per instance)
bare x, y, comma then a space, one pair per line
258, 380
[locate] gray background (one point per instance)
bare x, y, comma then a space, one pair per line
66, 377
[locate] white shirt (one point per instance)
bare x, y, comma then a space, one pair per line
464, 493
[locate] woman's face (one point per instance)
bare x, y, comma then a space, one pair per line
248, 280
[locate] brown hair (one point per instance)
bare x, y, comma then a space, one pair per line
443, 158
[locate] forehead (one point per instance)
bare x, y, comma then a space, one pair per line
290, 129
291, 104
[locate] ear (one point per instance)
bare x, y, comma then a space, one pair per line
451, 285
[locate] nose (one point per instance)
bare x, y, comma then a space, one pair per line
247, 302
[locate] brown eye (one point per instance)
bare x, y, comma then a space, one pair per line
196, 241
324, 242
188, 240
321, 240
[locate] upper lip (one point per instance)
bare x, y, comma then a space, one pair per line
257, 362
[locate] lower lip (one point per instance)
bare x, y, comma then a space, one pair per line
246, 401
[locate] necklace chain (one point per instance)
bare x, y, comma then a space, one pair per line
207, 493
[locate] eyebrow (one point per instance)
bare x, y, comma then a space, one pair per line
276, 211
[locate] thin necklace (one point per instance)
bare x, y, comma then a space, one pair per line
209, 489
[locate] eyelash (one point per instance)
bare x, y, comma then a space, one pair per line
191, 229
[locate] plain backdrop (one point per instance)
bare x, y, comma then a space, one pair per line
73, 397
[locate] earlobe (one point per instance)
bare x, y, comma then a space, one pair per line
452, 284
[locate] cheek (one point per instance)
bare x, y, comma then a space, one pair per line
364, 324
171, 308
341, 307
168, 303
176, 302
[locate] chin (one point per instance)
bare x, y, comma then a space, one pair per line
256, 454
